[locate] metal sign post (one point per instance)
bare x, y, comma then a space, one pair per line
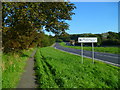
87, 40
93, 52
82, 51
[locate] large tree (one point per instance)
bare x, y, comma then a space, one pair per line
51, 15
25, 19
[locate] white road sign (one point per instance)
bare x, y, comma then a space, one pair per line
87, 39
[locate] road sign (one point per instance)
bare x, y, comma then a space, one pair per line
87, 40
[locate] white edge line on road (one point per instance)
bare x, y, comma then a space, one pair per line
97, 53
89, 57
104, 55
107, 56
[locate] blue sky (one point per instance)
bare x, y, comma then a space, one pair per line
94, 17
93, 0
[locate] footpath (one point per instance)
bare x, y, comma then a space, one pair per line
28, 77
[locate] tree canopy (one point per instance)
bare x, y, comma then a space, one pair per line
104, 39
51, 15
22, 22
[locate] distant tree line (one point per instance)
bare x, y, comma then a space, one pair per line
23, 23
104, 39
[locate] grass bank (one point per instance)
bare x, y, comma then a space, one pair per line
13, 66
57, 69
113, 50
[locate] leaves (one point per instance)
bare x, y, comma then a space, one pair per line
25, 18
40, 13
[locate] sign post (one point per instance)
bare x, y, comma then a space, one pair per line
87, 40
82, 51
93, 52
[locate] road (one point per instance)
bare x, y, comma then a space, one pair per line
104, 57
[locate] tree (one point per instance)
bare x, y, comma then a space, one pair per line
64, 36
51, 15
24, 19
113, 35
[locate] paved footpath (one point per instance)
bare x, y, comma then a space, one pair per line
28, 77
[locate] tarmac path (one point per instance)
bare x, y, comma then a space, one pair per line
28, 77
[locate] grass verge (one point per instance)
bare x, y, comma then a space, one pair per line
12, 67
57, 69
113, 50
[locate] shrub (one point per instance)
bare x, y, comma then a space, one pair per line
111, 42
59, 40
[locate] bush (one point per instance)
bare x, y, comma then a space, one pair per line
111, 42
59, 40
45, 40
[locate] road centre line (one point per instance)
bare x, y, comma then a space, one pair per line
106, 55
96, 53
89, 57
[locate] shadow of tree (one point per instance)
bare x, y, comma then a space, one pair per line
23, 54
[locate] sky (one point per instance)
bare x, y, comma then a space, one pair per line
94, 17
94, 0
61, 0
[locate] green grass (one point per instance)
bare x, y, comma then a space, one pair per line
57, 69
12, 67
113, 50
0, 70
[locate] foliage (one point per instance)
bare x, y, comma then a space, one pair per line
112, 38
18, 38
67, 37
64, 36
59, 40
23, 20
51, 15
45, 40
57, 69
111, 42
13, 66
113, 35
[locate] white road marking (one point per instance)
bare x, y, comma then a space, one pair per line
107, 56
89, 57
96, 53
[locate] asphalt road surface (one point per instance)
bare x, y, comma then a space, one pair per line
105, 57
